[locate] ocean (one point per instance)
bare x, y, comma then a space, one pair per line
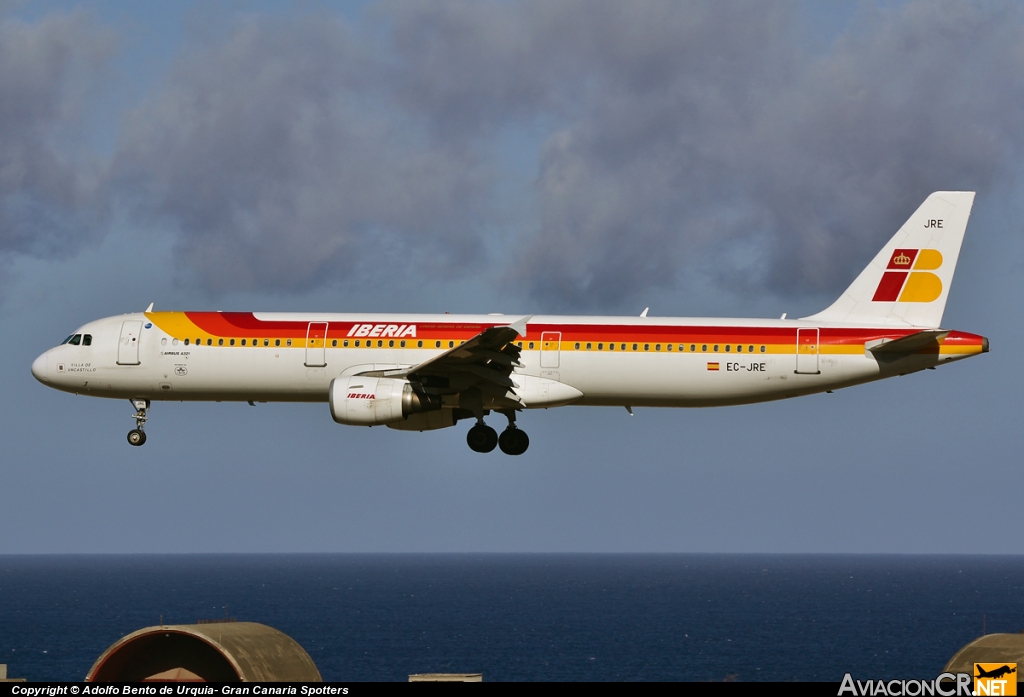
529, 616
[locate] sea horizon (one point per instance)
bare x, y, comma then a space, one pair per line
379, 616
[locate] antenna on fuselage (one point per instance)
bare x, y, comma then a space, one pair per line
150, 308
644, 313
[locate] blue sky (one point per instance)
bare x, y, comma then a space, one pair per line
518, 157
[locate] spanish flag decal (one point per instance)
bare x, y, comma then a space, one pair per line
712, 366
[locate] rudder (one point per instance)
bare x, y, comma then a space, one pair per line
907, 283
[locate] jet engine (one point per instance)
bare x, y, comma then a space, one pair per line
365, 401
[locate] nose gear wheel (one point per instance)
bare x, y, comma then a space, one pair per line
137, 436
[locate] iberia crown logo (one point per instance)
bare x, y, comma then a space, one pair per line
908, 277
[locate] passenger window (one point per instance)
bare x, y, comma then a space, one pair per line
233, 341
243, 342
716, 348
634, 347
451, 344
668, 347
728, 348
704, 347
287, 342
750, 349
357, 343
209, 342
622, 348
657, 347
391, 343
740, 348
402, 343
163, 341
277, 342
577, 346
345, 343
186, 342
611, 347
380, 342
220, 342
531, 344
647, 347
762, 349
588, 346
87, 340
419, 344
693, 347
600, 347
266, 342
334, 343
75, 340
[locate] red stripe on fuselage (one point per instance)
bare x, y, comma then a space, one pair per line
246, 325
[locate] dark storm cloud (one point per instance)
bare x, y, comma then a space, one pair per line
670, 138
715, 140
273, 152
49, 183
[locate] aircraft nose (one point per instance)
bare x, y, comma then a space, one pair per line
39, 368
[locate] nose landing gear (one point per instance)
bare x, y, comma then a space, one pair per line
137, 436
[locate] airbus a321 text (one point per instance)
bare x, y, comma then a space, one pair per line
424, 372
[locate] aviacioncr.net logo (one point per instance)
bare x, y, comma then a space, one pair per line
946, 685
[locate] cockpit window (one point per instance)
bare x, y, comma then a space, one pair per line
66, 340
75, 340
87, 340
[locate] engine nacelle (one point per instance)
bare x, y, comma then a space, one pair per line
364, 401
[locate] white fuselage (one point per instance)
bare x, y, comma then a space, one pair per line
624, 361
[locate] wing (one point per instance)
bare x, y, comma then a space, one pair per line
483, 363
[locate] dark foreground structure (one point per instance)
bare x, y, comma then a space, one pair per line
991, 648
216, 652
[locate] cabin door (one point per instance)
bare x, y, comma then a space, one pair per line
807, 351
128, 344
549, 344
316, 340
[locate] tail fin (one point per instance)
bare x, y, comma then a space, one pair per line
908, 282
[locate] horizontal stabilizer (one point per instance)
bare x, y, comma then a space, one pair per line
908, 344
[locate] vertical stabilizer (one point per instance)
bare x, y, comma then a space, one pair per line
907, 283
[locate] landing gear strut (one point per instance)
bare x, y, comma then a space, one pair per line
137, 436
512, 440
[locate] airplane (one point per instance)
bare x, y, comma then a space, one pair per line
995, 673
424, 372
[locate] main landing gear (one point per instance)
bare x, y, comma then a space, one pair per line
137, 436
512, 441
